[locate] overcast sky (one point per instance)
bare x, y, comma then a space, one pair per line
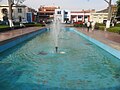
68, 4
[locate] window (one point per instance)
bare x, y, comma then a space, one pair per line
85, 16
4, 11
58, 12
79, 16
19, 10
66, 12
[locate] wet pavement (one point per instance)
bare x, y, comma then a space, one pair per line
109, 38
17, 32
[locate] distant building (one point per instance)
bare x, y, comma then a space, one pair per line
81, 16
47, 12
113, 10
31, 15
99, 17
102, 15
64, 15
19, 13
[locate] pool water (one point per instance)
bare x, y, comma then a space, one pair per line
78, 65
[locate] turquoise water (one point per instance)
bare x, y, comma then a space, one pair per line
79, 65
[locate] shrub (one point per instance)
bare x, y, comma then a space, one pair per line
117, 25
100, 24
39, 25
3, 26
114, 29
102, 28
78, 25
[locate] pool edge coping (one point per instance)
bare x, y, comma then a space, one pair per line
107, 48
9, 43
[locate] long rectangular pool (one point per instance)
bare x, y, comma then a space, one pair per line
78, 65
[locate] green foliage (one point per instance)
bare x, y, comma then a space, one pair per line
3, 26
78, 25
114, 29
17, 26
117, 25
118, 7
100, 26
33, 24
39, 25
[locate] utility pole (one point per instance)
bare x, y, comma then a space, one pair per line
10, 3
109, 13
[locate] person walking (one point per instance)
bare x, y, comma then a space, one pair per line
93, 25
88, 26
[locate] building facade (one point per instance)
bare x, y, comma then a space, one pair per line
19, 13
81, 16
47, 12
64, 15
99, 17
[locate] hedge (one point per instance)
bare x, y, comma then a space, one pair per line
117, 25
78, 25
114, 29
6, 27
102, 28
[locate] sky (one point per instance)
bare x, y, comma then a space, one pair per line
68, 4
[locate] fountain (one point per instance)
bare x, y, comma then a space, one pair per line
60, 59
56, 28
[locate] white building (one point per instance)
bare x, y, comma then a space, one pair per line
99, 17
21, 13
81, 16
64, 15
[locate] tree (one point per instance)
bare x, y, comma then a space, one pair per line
11, 3
109, 12
118, 8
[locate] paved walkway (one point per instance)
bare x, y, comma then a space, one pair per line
109, 38
14, 33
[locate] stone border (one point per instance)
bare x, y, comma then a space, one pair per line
14, 41
107, 48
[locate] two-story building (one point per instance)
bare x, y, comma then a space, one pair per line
64, 15
47, 12
102, 15
20, 13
